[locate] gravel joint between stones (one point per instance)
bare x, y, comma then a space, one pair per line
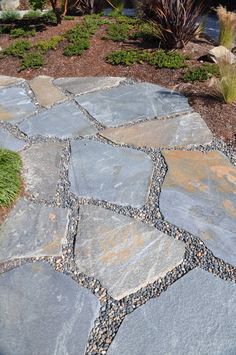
196, 252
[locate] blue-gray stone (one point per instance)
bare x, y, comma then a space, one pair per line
8, 141
101, 171
196, 315
131, 103
33, 230
62, 121
44, 312
15, 104
78, 86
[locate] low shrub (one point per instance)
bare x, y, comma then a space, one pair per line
32, 14
68, 18
52, 43
76, 48
202, 73
10, 181
163, 59
18, 48
10, 16
118, 32
20, 32
49, 17
32, 60
127, 57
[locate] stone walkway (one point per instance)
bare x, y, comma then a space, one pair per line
124, 242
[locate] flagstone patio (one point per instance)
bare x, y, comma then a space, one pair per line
125, 239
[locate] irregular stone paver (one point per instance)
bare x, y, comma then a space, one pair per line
9, 80
173, 132
41, 168
131, 103
203, 187
8, 141
33, 230
79, 86
194, 316
117, 175
15, 104
124, 254
44, 312
46, 93
62, 121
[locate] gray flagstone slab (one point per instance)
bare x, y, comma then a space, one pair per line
131, 103
44, 312
15, 104
62, 121
124, 254
41, 169
33, 230
8, 141
78, 86
196, 315
101, 171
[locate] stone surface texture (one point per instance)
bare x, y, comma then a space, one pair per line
117, 175
45, 92
203, 187
122, 253
8, 141
41, 169
9, 80
131, 103
172, 132
15, 104
78, 86
62, 121
196, 315
33, 230
44, 312
9, 5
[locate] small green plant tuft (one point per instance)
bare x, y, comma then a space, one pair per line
49, 17
118, 32
163, 59
10, 16
18, 48
33, 60
76, 48
51, 44
202, 73
227, 21
10, 181
127, 57
20, 32
68, 18
32, 14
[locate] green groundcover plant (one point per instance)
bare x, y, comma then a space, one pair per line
10, 181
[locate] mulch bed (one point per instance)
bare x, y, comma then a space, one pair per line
220, 118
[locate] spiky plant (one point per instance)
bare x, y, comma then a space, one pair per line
227, 21
225, 85
175, 21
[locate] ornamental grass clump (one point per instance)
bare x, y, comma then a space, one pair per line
227, 21
175, 21
10, 181
225, 85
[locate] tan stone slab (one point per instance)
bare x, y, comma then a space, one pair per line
173, 132
46, 93
203, 188
5, 115
9, 80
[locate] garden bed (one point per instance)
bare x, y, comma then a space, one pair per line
220, 118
